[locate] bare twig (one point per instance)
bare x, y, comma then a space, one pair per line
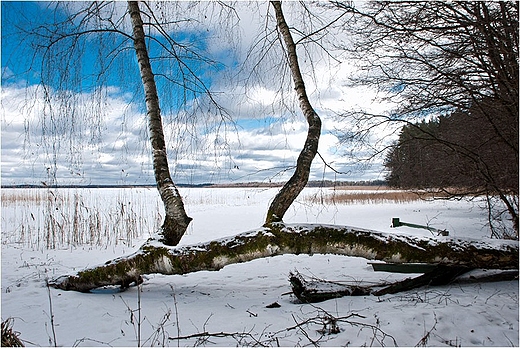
206, 335
424, 340
176, 313
155, 338
51, 313
138, 314
299, 326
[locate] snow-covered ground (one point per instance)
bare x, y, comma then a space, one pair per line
228, 307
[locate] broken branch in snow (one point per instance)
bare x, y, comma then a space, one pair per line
203, 337
328, 324
279, 239
312, 290
316, 328
321, 290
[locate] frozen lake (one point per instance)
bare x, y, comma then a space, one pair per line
47, 233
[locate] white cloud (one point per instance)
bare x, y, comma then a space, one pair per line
108, 142
121, 153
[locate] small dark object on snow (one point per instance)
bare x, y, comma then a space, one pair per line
273, 305
398, 223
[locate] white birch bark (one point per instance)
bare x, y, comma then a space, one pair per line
176, 220
299, 179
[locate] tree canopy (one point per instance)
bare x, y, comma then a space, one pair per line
449, 72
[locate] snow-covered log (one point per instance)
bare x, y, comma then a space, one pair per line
279, 238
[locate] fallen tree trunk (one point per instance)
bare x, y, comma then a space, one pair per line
317, 290
278, 239
441, 275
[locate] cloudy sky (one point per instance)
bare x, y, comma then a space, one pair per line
75, 126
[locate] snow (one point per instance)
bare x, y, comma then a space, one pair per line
230, 304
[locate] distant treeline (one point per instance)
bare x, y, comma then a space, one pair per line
474, 150
312, 183
330, 183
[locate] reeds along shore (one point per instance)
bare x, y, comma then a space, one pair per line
64, 218
371, 195
49, 218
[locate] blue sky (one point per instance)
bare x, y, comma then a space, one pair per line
92, 129
13, 46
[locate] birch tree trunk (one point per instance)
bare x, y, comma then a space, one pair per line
176, 220
297, 182
279, 239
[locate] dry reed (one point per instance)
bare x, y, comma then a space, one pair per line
10, 338
367, 195
64, 218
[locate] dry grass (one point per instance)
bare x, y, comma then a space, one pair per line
371, 195
363, 188
10, 338
30, 196
64, 218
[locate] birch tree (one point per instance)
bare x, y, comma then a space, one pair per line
176, 220
85, 52
299, 179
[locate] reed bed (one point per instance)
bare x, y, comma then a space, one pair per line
65, 218
368, 195
45, 218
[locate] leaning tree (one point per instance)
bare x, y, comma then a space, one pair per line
297, 182
292, 55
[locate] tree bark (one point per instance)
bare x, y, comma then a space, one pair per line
297, 182
176, 220
281, 239
318, 290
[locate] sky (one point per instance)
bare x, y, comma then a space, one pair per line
62, 123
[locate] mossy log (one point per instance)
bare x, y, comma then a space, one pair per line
278, 239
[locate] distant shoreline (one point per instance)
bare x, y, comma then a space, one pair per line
325, 183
